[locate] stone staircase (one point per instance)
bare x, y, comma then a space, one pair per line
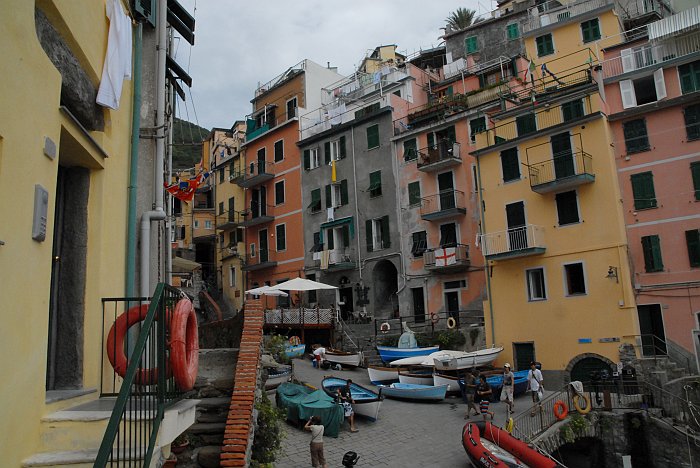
362, 335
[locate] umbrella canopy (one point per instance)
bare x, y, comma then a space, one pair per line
266, 291
302, 284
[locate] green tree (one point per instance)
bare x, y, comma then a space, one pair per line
461, 18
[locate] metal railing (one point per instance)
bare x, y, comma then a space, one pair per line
147, 387
543, 83
263, 88
562, 166
337, 258
229, 219
445, 201
430, 322
513, 240
457, 254
262, 258
301, 316
445, 150
553, 11
654, 347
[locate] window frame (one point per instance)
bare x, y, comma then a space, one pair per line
520, 124
377, 191
280, 152
412, 199
513, 165
531, 293
280, 183
563, 208
695, 125
574, 108
590, 30
692, 74
510, 29
651, 250
320, 202
417, 250
371, 137
471, 45
479, 128
296, 107
283, 237
540, 47
692, 242
644, 139
643, 191
410, 149
568, 280
695, 175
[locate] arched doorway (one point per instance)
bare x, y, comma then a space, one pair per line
585, 366
385, 283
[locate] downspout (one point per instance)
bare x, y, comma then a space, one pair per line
399, 214
134, 165
483, 230
158, 214
357, 214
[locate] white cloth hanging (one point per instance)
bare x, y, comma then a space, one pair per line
117, 66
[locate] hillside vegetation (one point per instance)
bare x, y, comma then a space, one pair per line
187, 143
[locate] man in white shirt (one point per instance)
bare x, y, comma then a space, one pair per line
319, 355
534, 383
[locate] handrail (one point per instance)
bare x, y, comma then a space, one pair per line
660, 348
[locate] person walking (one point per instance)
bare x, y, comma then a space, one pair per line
483, 392
318, 460
470, 383
508, 385
345, 397
534, 384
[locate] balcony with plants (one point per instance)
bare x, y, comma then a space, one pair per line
443, 205
521, 241
441, 156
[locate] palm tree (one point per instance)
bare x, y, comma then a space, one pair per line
461, 18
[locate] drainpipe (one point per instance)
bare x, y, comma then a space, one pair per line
134, 166
158, 214
399, 217
357, 214
483, 230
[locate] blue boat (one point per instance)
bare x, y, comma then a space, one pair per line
293, 351
496, 383
367, 402
416, 392
389, 354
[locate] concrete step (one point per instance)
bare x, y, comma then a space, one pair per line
70, 459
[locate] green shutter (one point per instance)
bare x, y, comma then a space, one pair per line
572, 110
375, 184
651, 247
372, 136
327, 152
410, 150
449, 91
590, 30
344, 192
329, 202
147, 9
386, 235
342, 147
643, 190
414, 193
471, 44
695, 171
368, 234
692, 239
545, 46
526, 124
509, 164
690, 77
307, 159
345, 230
512, 31
331, 240
691, 115
636, 139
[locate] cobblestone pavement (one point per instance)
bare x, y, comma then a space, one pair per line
407, 434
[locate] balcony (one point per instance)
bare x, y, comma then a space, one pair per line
521, 92
258, 214
443, 205
256, 173
229, 220
447, 259
336, 259
565, 171
552, 12
516, 242
438, 157
263, 259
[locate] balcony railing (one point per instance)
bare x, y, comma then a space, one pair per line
437, 157
564, 171
553, 11
229, 220
651, 55
257, 214
446, 204
515, 242
281, 78
336, 259
547, 83
299, 317
636, 8
264, 258
256, 173
447, 259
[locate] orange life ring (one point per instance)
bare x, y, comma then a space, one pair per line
115, 346
384, 327
434, 317
560, 410
294, 340
184, 345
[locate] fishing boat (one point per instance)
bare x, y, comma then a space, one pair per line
416, 376
293, 351
456, 360
277, 376
517, 453
383, 375
389, 354
452, 381
402, 391
495, 381
343, 358
367, 402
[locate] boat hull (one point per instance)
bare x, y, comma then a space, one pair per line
389, 354
275, 378
383, 375
452, 382
414, 392
367, 402
343, 358
416, 378
453, 362
293, 351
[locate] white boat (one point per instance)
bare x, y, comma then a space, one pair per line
416, 377
451, 381
383, 375
367, 402
452, 360
344, 359
277, 376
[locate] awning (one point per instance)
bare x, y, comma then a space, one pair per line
183, 265
338, 222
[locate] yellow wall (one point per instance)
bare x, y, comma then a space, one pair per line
30, 98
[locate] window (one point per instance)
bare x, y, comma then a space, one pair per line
692, 121
221, 207
375, 184
567, 208
196, 224
526, 124
414, 193
207, 224
572, 110
373, 136
643, 190
337, 194
476, 126
635, 132
535, 285
419, 244
690, 77
651, 246
279, 192
590, 30
281, 234
575, 279
292, 108
232, 277
410, 150
311, 159
377, 234
471, 45
510, 165
545, 45
222, 175
692, 240
448, 235
279, 150
252, 250
315, 205
334, 150
338, 238
512, 31
643, 90
695, 172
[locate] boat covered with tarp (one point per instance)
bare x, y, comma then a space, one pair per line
302, 402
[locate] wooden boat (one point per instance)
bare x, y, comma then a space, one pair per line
521, 455
293, 351
389, 354
367, 402
343, 358
404, 391
383, 375
416, 376
452, 381
456, 360
277, 376
495, 381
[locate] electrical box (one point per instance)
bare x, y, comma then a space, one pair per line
41, 207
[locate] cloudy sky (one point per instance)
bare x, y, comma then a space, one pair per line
240, 44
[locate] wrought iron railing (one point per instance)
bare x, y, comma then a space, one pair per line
513, 240
651, 346
300, 316
443, 151
445, 201
562, 166
446, 257
147, 387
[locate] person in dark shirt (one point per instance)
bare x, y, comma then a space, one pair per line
345, 397
483, 393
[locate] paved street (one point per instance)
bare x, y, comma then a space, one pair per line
407, 434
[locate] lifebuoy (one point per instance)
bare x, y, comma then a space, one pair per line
434, 317
384, 327
560, 410
115, 346
585, 398
294, 340
184, 345
451, 322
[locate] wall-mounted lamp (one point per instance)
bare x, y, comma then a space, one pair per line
612, 273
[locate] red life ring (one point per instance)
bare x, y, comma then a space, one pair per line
115, 346
560, 410
434, 317
184, 345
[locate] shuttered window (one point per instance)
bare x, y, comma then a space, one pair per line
410, 150
692, 239
279, 150
689, 75
471, 45
636, 139
510, 165
691, 114
476, 126
695, 172
567, 208
373, 136
651, 246
414, 193
281, 232
643, 190
315, 204
526, 124
572, 110
375, 184
545, 45
419, 243
512, 31
590, 30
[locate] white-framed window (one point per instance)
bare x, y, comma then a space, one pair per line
292, 108
336, 197
279, 150
196, 224
207, 224
574, 279
252, 250
644, 90
314, 158
377, 234
231, 276
536, 289
335, 150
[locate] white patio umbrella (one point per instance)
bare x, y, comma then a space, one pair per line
266, 291
301, 284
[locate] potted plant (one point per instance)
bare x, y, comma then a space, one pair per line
180, 443
171, 462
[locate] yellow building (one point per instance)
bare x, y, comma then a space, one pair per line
552, 227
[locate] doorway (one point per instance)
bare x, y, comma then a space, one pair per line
346, 308
517, 232
651, 327
523, 355
452, 305
263, 252
563, 157
418, 305
446, 190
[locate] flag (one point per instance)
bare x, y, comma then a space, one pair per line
334, 176
445, 256
529, 73
184, 189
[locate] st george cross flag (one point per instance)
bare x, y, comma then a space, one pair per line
445, 256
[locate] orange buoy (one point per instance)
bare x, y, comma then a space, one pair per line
184, 345
560, 410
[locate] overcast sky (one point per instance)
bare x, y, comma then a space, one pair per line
240, 44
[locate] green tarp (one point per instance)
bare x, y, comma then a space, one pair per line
302, 402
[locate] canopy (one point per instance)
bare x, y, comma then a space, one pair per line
302, 284
182, 264
301, 403
265, 291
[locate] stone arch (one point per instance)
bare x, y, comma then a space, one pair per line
586, 362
